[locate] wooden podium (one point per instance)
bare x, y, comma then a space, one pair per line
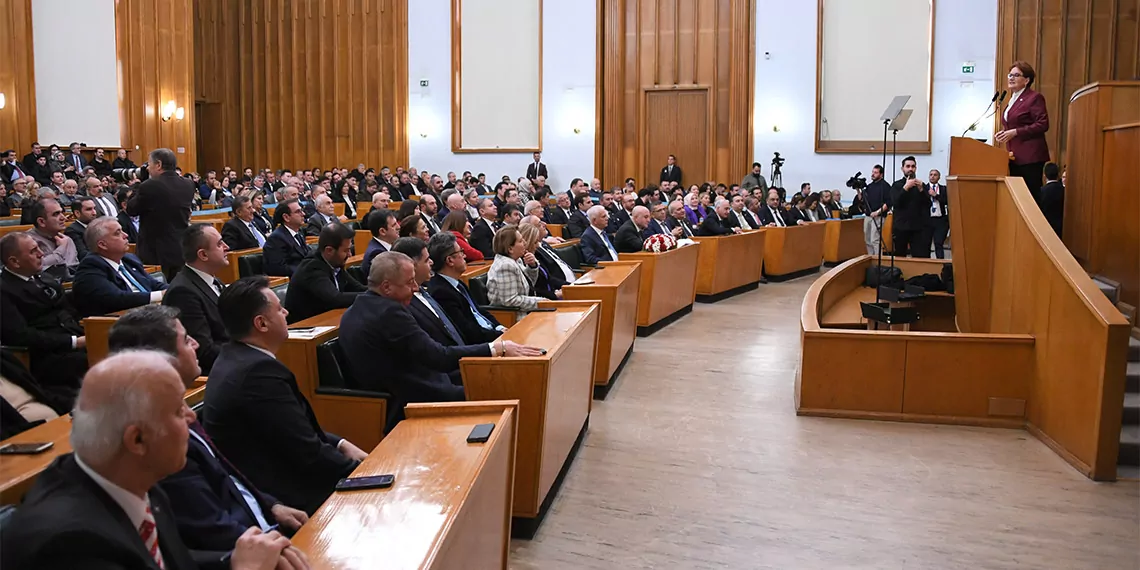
976, 158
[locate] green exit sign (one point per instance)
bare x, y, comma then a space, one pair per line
967, 69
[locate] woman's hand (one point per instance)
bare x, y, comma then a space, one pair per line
1005, 135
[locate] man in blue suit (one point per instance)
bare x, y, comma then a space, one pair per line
379, 328
212, 502
659, 223
385, 229
285, 248
596, 244
109, 279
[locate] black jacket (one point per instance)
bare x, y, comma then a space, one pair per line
399, 357
36, 315
99, 290
628, 238
128, 227
482, 236
459, 311
556, 215
912, 207
548, 259
282, 253
1053, 205
671, 175
163, 205
237, 235
75, 231
577, 224
256, 414
713, 226
766, 216
198, 305
312, 289
67, 521
688, 230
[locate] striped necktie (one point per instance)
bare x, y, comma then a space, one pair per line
149, 534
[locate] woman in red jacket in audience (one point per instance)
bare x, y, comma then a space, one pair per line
456, 223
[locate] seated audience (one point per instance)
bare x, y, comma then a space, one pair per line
128, 223
83, 208
483, 229
513, 273
718, 223
740, 217
428, 313
321, 284
99, 507
261, 217
623, 212
560, 213
380, 201
694, 211
679, 220
195, 291
255, 413
109, 279
545, 286
324, 216
240, 231
446, 287
414, 226
557, 270
596, 244
379, 328
213, 504
385, 229
800, 213
579, 222
61, 258
24, 403
628, 238
460, 227
772, 215
285, 248
429, 207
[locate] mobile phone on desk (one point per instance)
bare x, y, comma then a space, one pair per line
25, 448
543, 310
303, 330
370, 482
480, 433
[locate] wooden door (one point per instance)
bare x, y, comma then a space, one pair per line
676, 122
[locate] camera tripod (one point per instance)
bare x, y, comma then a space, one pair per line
777, 180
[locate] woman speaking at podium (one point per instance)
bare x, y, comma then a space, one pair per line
1025, 122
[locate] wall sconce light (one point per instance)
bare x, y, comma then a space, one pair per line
3, 101
775, 128
577, 131
179, 114
168, 110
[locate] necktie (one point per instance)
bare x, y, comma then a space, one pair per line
336, 273
78, 167
777, 217
148, 532
609, 246
301, 241
256, 235
218, 286
131, 280
438, 310
483, 322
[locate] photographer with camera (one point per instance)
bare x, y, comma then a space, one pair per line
876, 204
162, 204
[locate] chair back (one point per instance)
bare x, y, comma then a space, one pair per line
572, 255
253, 264
477, 286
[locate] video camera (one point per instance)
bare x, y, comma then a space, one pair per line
777, 162
857, 182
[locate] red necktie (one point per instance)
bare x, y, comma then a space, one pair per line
149, 534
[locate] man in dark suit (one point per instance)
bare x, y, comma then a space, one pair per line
428, 313
536, 168
256, 414
771, 214
596, 245
579, 222
629, 236
378, 327
240, 231
912, 213
429, 207
127, 222
75, 162
84, 211
37, 315
561, 212
29, 160
622, 212
1053, 198
320, 283
285, 248
324, 216
385, 229
194, 292
740, 217
671, 172
10, 168
446, 287
483, 230
212, 502
162, 204
99, 507
679, 219
939, 213
109, 279
659, 222
718, 224
105, 202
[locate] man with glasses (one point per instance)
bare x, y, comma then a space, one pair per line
447, 288
285, 248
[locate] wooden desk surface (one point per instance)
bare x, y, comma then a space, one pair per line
847, 312
450, 504
616, 285
19, 472
728, 262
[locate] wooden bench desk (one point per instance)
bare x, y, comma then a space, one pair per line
668, 286
19, 472
450, 504
843, 240
5, 230
231, 272
729, 264
936, 309
556, 230
615, 286
792, 251
554, 393
360, 241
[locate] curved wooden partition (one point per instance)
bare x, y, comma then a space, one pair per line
1014, 275
793, 249
843, 240
904, 375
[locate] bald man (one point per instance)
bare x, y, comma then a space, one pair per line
628, 237
99, 507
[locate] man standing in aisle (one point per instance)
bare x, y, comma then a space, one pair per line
912, 213
877, 201
162, 204
939, 213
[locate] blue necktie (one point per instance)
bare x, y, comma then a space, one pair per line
483, 322
257, 235
451, 330
609, 247
130, 279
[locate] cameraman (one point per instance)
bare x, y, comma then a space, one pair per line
162, 204
876, 202
755, 180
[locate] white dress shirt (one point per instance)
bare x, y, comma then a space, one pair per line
206, 278
133, 505
1012, 99
155, 296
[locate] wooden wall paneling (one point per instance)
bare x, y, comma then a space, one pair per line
1069, 43
18, 127
1117, 230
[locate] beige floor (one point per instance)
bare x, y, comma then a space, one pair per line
697, 460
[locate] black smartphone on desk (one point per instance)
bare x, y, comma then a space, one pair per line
543, 310
25, 448
371, 482
480, 433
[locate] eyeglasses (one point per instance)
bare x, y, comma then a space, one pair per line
1014, 75
455, 253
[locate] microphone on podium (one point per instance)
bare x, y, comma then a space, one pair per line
987, 110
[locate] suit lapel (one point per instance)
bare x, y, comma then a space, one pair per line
205, 288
